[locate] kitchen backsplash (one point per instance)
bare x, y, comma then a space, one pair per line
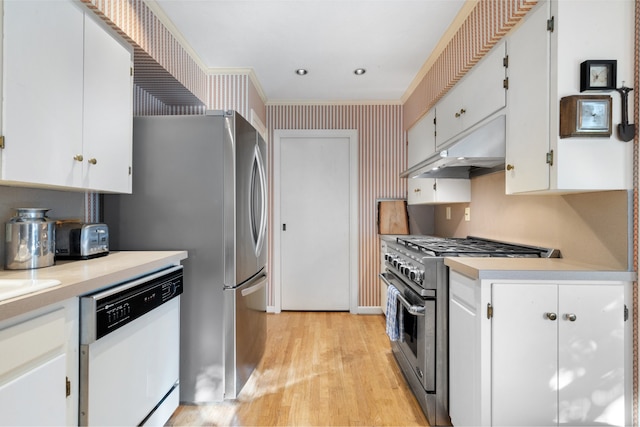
588, 227
63, 205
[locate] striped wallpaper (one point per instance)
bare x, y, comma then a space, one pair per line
161, 65
487, 23
229, 92
168, 81
382, 157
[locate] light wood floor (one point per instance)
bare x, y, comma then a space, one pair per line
319, 369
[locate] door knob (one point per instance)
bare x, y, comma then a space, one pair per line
78, 157
510, 167
570, 317
551, 316
92, 161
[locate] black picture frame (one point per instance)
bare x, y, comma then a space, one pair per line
586, 68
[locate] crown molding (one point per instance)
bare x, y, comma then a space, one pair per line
170, 26
240, 72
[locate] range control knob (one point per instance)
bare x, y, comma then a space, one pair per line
405, 268
416, 275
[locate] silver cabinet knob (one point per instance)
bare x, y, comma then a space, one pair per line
551, 316
570, 317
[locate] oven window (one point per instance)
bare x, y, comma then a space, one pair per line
410, 326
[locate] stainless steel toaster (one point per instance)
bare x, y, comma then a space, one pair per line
78, 240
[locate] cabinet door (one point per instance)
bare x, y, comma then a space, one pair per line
591, 354
452, 190
524, 349
450, 112
36, 397
42, 105
528, 104
469, 365
474, 98
438, 190
107, 111
420, 190
484, 87
422, 139
33, 368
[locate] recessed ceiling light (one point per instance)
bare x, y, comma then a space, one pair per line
359, 71
301, 72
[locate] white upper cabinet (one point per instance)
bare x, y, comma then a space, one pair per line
108, 111
477, 96
422, 139
42, 83
438, 190
67, 99
545, 53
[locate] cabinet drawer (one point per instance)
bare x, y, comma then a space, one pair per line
26, 342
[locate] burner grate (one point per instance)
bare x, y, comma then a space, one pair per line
472, 247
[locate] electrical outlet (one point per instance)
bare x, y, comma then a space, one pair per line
448, 212
467, 214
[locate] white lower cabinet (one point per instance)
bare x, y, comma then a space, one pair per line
438, 190
537, 353
45, 405
39, 367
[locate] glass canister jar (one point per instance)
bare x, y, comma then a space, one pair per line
29, 240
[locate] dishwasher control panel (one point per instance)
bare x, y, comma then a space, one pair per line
106, 311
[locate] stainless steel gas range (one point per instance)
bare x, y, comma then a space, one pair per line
418, 294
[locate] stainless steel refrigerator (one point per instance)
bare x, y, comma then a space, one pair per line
199, 184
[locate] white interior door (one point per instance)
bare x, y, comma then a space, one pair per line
315, 223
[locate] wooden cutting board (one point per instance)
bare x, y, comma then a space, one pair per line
393, 217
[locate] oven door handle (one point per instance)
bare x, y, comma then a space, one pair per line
415, 310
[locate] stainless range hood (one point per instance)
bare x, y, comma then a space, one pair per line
482, 148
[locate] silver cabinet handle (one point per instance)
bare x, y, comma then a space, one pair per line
570, 317
551, 316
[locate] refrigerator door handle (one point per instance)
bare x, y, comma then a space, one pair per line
258, 196
254, 288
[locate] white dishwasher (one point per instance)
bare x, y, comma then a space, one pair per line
129, 351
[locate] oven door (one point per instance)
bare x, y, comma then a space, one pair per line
418, 340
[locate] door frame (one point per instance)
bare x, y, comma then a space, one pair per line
352, 135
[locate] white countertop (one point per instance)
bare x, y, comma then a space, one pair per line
84, 276
535, 269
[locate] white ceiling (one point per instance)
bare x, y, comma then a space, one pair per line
391, 39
